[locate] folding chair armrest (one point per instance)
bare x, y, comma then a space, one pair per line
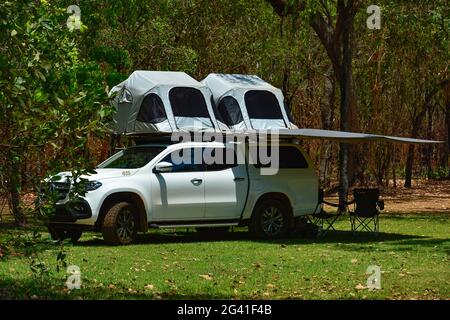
350, 202
336, 205
331, 204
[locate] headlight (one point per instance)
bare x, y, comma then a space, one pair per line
93, 185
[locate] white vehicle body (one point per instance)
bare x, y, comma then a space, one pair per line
206, 196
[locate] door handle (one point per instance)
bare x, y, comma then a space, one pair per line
196, 180
238, 179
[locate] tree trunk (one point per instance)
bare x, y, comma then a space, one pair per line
13, 180
429, 148
13, 187
337, 42
417, 123
327, 111
409, 165
410, 157
447, 120
343, 176
445, 157
394, 175
354, 168
345, 86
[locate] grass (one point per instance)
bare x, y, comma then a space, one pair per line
412, 251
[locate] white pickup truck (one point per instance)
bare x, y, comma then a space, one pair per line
142, 187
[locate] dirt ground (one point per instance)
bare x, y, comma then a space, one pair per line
425, 196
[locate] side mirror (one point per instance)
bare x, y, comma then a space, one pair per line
162, 167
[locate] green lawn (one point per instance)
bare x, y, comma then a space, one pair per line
412, 251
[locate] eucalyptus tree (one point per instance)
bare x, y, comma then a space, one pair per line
332, 21
417, 61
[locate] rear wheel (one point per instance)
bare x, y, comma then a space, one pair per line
271, 219
119, 225
62, 234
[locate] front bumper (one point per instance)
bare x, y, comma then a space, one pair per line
72, 211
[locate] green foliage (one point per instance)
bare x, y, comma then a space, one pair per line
440, 173
29, 244
51, 97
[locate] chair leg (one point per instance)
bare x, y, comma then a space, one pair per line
324, 225
353, 224
365, 224
377, 225
330, 223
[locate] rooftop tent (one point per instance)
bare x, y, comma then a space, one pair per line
162, 102
246, 102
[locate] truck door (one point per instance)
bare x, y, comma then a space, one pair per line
226, 184
179, 194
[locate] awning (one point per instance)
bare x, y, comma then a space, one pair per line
339, 136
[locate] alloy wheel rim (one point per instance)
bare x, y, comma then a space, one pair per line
272, 221
125, 225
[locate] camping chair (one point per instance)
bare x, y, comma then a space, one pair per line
324, 219
364, 216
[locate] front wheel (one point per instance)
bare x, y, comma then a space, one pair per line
62, 234
271, 219
119, 224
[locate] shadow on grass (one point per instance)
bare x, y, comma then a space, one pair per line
12, 227
25, 241
334, 237
54, 289
182, 236
416, 215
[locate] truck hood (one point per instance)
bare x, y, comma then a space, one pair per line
110, 173
101, 174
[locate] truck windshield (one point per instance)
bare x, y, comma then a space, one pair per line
131, 158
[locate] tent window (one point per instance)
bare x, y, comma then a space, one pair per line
188, 102
288, 112
152, 109
262, 105
216, 111
230, 111
125, 96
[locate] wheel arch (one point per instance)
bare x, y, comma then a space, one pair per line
255, 225
127, 196
274, 196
